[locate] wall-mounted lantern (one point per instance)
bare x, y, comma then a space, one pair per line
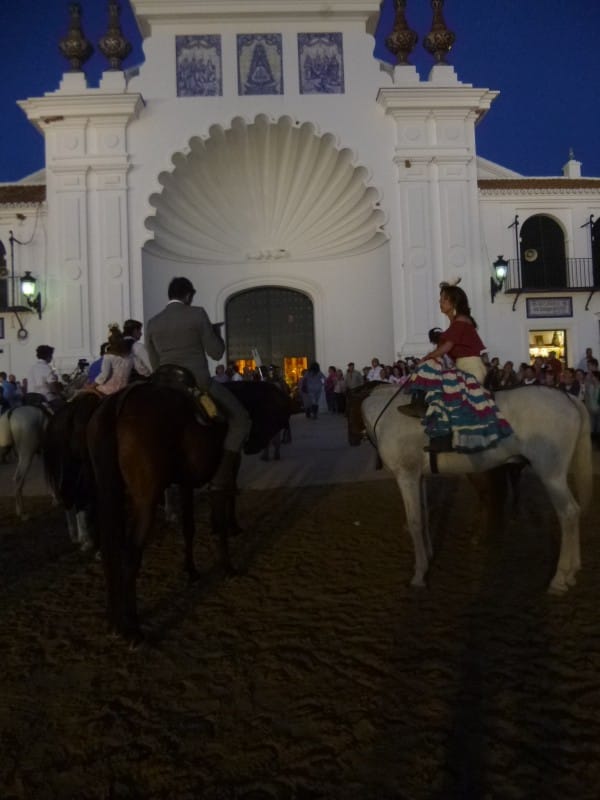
497, 279
29, 289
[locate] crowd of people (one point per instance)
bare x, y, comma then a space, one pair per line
124, 357
543, 371
582, 382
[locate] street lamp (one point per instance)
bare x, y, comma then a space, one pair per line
29, 289
497, 279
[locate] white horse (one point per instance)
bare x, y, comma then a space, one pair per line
551, 431
22, 429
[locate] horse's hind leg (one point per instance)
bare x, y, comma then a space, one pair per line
567, 509
187, 518
129, 623
220, 516
142, 520
409, 486
21, 472
111, 563
276, 442
84, 534
114, 547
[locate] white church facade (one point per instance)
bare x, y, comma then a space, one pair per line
314, 200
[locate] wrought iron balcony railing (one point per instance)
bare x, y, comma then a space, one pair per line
555, 275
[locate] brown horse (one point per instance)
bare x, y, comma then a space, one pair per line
141, 441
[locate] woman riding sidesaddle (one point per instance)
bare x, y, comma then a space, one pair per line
458, 413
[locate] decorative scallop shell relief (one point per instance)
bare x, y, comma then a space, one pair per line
264, 191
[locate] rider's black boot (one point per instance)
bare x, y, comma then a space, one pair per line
417, 406
441, 444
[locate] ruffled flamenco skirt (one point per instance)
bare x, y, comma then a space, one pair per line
459, 405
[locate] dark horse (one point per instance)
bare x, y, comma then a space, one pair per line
68, 467
141, 441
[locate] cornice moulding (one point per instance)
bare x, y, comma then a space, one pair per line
537, 192
432, 156
97, 163
58, 109
152, 13
425, 97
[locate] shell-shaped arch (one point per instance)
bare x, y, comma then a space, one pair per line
264, 190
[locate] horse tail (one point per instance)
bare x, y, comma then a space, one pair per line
64, 453
102, 443
581, 463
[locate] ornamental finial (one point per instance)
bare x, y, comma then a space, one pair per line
74, 46
402, 40
439, 40
113, 45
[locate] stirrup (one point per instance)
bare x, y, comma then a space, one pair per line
440, 444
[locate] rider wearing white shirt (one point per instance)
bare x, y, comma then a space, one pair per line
43, 379
132, 329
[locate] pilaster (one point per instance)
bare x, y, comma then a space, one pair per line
87, 164
439, 228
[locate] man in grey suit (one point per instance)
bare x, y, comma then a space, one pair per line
182, 334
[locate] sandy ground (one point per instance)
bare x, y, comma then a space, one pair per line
319, 673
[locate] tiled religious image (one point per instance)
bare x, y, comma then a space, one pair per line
321, 63
199, 66
260, 68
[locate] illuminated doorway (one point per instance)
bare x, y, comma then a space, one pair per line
275, 323
544, 342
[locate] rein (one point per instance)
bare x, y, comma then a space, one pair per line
385, 408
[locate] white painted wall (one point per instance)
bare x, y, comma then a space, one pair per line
106, 150
352, 299
506, 331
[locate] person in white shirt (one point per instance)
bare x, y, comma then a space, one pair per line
132, 329
43, 379
117, 364
374, 374
234, 372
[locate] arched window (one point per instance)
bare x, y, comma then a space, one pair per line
543, 256
596, 252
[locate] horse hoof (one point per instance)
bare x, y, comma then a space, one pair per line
418, 583
558, 588
134, 643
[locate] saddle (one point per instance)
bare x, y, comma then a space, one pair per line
38, 400
181, 378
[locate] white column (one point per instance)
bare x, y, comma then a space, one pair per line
438, 200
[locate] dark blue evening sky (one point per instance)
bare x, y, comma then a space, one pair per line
541, 54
